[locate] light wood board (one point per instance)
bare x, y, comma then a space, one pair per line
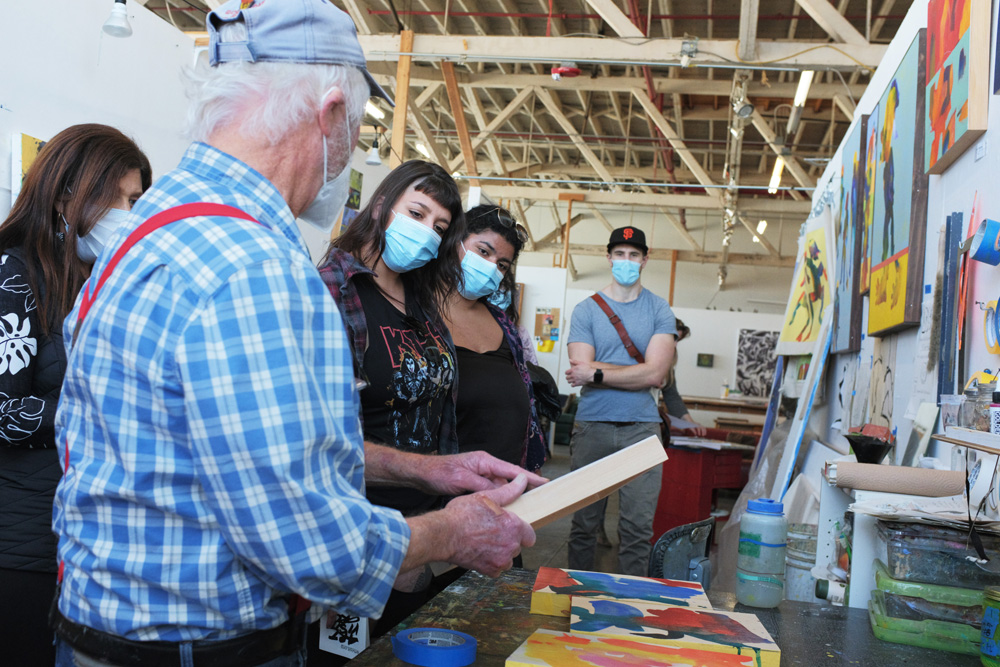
586, 485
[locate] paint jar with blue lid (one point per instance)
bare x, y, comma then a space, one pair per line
760, 565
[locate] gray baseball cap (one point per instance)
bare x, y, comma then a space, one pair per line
291, 31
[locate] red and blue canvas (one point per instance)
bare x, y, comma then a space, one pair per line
948, 52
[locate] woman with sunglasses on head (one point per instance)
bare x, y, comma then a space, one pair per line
496, 404
391, 272
76, 194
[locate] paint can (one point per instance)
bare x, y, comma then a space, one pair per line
800, 557
989, 643
760, 564
986, 243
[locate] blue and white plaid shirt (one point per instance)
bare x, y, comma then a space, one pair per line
215, 455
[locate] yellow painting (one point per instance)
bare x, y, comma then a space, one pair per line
810, 292
888, 293
23, 151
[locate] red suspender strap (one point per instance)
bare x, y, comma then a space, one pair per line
616, 322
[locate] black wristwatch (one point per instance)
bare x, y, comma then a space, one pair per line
598, 376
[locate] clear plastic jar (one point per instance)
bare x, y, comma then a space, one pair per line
760, 565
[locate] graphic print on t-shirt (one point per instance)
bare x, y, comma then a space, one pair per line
422, 373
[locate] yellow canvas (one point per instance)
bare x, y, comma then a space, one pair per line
24, 150
810, 292
549, 648
887, 299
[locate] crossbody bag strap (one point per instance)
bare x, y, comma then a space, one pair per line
616, 322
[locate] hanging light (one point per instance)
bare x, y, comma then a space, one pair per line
779, 166
373, 159
117, 24
801, 94
761, 226
374, 111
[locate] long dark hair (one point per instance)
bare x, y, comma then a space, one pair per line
431, 284
492, 218
81, 167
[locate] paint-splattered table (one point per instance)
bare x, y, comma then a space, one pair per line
496, 613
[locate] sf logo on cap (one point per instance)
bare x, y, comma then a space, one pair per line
627, 233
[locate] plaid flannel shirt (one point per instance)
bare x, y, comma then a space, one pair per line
215, 459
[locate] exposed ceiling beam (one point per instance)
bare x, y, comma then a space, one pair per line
512, 107
458, 113
600, 216
557, 233
503, 48
845, 105
359, 16
760, 237
553, 107
416, 121
833, 22
762, 205
748, 29
791, 162
615, 18
743, 259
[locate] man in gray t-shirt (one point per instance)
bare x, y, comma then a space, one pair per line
617, 405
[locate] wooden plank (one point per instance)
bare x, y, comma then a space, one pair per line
458, 113
565, 495
398, 140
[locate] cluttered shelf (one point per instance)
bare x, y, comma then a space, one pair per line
756, 406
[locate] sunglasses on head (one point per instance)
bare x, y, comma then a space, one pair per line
507, 220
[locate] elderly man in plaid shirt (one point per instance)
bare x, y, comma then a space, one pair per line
209, 419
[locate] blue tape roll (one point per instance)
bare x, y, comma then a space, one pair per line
434, 647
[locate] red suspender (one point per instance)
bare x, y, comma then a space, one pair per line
616, 322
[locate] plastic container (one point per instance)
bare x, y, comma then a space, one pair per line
760, 565
920, 602
989, 648
950, 406
935, 555
800, 557
953, 637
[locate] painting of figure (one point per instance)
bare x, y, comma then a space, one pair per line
811, 285
956, 79
847, 307
899, 202
869, 196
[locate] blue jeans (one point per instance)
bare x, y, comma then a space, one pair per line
637, 500
67, 657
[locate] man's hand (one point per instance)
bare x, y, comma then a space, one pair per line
471, 471
485, 537
579, 373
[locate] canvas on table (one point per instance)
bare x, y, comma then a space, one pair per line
554, 587
683, 627
550, 648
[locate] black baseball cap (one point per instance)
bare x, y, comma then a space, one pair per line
632, 236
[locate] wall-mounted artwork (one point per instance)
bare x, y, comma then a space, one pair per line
847, 307
706, 360
811, 285
683, 627
551, 648
957, 78
899, 206
554, 587
23, 151
868, 201
755, 359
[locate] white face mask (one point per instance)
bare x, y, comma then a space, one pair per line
89, 246
323, 211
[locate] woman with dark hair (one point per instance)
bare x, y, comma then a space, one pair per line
76, 193
670, 403
390, 273
496, 403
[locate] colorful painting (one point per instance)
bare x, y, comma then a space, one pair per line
354, 191
867, 212
810, 287
755, 359
24, 149
550, 648
682, 627
899, 201
957, 78
554, 587
847, 306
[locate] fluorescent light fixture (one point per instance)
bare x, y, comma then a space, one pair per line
761, 226
802, 92
755, 239
374, 111
422, 149
779, 166
117, 24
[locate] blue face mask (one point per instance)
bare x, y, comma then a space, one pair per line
501, 299
479, 276
625, 271
409, 244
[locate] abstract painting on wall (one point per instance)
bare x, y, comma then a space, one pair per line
957, 78
811, 285
847, 307
868, 201
899, 204
23, 151
683, 627
550, 648
755, 359
554, 587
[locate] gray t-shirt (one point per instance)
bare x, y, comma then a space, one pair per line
642, 318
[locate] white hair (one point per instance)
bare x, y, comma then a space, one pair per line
267, 99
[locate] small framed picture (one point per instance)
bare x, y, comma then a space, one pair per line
706, 360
